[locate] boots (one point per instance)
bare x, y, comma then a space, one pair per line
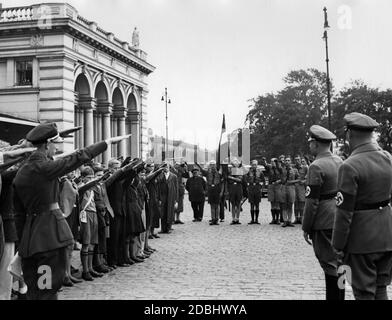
278, 216
281, 216
94, 273
252, 214
85, 273
297, 217
332, 290
257, 216
273, 216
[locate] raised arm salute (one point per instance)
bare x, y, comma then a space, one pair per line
42, 228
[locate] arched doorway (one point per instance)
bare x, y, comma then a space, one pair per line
82, 93
119, 122
133, 122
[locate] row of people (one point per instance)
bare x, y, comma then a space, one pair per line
286, 188
48, 201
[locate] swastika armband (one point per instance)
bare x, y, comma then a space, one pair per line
345, 201
312, 192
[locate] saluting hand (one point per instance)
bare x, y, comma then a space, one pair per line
117, 139
307, 238
19, 152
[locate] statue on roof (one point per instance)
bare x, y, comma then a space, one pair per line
135, 38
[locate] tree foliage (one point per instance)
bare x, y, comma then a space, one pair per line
279, 122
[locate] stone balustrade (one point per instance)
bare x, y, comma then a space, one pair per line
16, 14
46, 11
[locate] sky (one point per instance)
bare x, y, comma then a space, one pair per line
215, 55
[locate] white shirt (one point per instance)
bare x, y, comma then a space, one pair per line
167, 174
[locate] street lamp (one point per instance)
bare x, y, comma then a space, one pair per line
164, 98
325, 37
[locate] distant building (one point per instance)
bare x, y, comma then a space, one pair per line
236, 144
178, 150
56, 65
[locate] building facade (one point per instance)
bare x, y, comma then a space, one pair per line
57, 66
178, 150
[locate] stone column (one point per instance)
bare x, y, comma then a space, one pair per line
105, 110
88, 104
114, 133
133, 117
128, 142
89, 127
120, 114
81, 132
99, 132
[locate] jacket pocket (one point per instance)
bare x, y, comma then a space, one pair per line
63, 230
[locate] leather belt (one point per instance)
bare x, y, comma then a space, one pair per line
371, 206
45, 208
327, 196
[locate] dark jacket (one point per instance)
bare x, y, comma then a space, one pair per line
196, 187
7, 206
365, 178
37, 186
115, 190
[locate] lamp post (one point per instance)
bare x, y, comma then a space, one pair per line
325, 37
164, 98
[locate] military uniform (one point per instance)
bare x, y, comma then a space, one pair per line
236, 186
363, 222
274, 187
287, 175
300, 193
320, 209
181, 173
214, 191
254, 180
43, 232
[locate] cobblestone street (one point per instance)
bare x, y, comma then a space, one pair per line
198, 261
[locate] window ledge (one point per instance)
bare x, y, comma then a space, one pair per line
19, 90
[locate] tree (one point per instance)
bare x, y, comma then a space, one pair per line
359, 97
280, 121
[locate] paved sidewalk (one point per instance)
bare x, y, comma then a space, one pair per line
198, 261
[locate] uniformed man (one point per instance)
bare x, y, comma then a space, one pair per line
181, 171
273, 175
320, 206
281, 190
362, 232
289, 177
235, 187
43, 232
255, 181
299, 202
215, 189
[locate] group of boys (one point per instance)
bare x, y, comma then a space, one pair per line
286, 189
